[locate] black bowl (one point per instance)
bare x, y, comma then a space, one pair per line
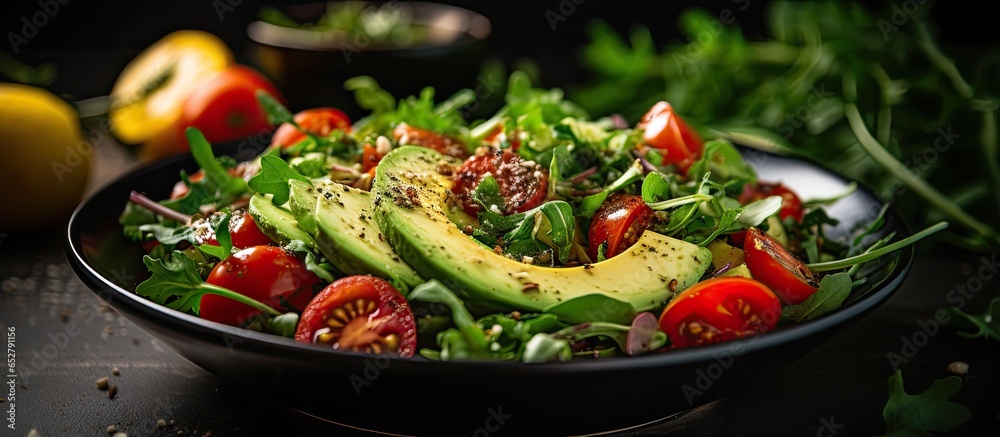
310, 66
420, 396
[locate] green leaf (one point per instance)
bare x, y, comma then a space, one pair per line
918, 415
434, 291
323, 270
487, 195
831, 294
987, 322
229, 187
725, 164
554, 226
283, 325
277, 113
656, 187
370, 95
593, 308
590, 204
543, 348
273, 179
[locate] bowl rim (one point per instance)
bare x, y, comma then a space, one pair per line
477, 28
188, 324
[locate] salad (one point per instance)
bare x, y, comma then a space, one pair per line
536, 235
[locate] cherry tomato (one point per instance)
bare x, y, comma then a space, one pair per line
225, 107
720, 309
405, 134
369, 158
317, 121
791, 204
268, 274
362, 314
523, 184
620, 221
770, 263
243, 231
665, 130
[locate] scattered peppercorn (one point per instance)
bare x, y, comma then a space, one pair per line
112, 429
102, 384
161, 424
115, 371
112, 391
958, 368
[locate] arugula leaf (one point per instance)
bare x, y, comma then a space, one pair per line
198, 194
220, 225
833, 291
590, 204
434, 291
229, 187
176, 284
323, 270
550, 224
487, 195
725, 163
987, 322
542, 348
169, 234
656, 187
277, 113
917, 415
370, 95
273, 179
593, 308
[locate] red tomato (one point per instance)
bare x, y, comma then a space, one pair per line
369, 158
770, 263
791, 204
181, 189
665, 130
405, 134
268, 274
720, 309
523, 184
620, 221
225, 107
243, 231
317, 121
362, 314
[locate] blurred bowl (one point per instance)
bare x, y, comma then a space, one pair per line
310, 65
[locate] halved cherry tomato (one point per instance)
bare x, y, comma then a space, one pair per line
523, 184
317, 121
405, 134
770, 263
268, 274
225, 107
620, 221
362, 314
665, 130
720, 309
791, 204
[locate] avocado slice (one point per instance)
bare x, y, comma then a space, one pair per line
410, 199
339, 219
277, 222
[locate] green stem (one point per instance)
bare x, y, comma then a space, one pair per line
878, 244
680, 201
900, 171
868, 256
990, 148
941, 61
885, 109
225, 292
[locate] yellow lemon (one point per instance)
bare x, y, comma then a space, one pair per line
46, 161
148, 96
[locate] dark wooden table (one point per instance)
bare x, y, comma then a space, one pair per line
66, 339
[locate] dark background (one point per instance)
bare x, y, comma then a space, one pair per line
93, 41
